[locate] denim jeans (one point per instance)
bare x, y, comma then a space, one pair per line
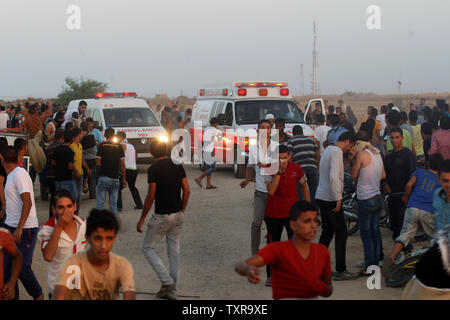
368, 219
78, 185
26, 275
259, 211
111, 186
159, 226
67, 185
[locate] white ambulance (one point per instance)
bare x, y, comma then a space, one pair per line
241, 105
125, 112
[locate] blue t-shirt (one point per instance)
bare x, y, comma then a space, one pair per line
422, 195
334, 134
98, 135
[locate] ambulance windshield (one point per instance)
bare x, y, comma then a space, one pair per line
129, 117
252, 111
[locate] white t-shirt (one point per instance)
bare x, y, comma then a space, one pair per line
68, 116
18, 182
320, 133
3, 120
66, 247
264, 156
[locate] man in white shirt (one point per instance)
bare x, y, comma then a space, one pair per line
382, 118
321, 132
3, 118
80, 111
329, 197
257, 163
21, 219
62, 236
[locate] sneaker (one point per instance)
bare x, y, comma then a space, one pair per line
167, 292
345, 275
268, 282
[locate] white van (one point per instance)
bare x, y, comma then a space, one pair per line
242, 104
125, 112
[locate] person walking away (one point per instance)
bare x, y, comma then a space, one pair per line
102, 273
209, 153
440, 142
419, 190
131, 172
257, 163
110, 159
21, 221
165, 182
64, 165
51, 165
79, 163
61, 236
329, 197
282, 195
305, 153
301, 269
368, 169
399, 164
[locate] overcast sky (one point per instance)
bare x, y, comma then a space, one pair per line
155, 46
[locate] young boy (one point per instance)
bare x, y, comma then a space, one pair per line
97, 273
61, 236
300, 269
420, 190
441, 198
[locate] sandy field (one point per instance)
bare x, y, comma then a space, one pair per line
216, 235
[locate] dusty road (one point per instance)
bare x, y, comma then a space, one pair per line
216, 235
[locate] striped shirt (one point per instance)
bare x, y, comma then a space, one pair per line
304, 151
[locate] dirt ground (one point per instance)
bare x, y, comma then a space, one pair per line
216, 235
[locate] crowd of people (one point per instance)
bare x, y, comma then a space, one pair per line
405, 155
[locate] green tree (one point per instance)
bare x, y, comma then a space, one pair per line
79, 89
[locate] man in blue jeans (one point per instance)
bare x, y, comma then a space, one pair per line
369, 170
110, 159
21, 221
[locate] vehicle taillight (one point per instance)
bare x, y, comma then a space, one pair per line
284, 92
263, 92
242, 92
225, 92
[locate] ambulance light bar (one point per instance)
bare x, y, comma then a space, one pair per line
115, 94
260, 84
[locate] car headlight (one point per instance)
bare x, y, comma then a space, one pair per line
163, 138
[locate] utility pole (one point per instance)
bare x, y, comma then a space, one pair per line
315, 86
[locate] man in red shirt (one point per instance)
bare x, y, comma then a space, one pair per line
282, 189
8, 246
300, 269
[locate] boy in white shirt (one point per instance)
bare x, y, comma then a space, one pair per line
61, 236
